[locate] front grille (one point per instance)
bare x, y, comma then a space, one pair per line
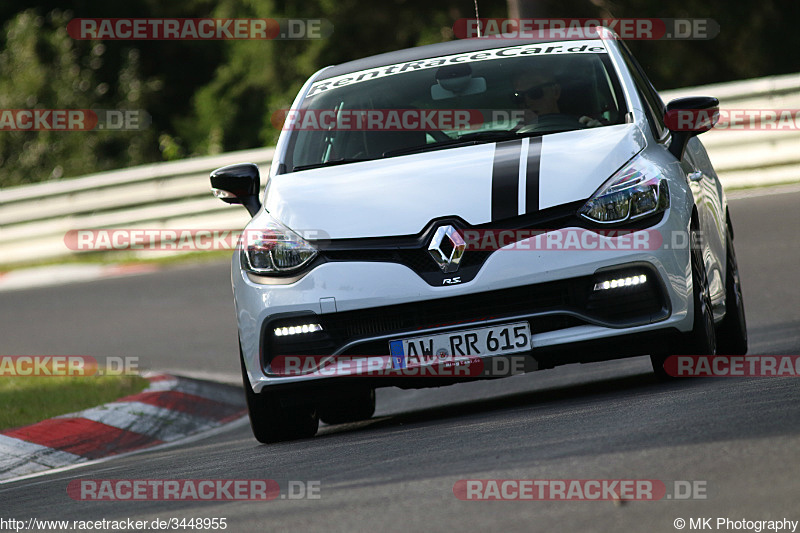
621, 308
351, 325
412, 250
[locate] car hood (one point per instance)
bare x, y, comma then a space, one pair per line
478, 183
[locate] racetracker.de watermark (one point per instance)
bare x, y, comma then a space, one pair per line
391, 119
575, 239
733, 119
74, 119
66, 365
733, 366
567, 239
253, 490
649, 29
198, 29
185, 240
578, 490
421, 365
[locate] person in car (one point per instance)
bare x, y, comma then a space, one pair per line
537, 94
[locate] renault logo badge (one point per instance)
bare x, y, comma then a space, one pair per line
446, 248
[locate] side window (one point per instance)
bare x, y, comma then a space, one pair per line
654, 106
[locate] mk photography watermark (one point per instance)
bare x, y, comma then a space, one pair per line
737, 524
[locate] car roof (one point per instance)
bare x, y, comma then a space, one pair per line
428, 51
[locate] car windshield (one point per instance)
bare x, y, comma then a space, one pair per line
469, 98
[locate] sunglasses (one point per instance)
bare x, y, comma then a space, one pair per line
534, 93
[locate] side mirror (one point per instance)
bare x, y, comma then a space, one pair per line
238, 184
687, 117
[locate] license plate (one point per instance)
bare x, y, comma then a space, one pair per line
479, 342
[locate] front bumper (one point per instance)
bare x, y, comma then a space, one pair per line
363, 305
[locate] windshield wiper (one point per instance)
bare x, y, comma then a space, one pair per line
330, 163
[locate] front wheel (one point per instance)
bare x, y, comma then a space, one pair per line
702, 340
732, 332
271, 421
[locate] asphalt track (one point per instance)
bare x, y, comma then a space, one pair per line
738, 437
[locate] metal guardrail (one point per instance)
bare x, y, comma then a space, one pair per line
753, 157
175, 195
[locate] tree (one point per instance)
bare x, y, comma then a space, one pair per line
43, 68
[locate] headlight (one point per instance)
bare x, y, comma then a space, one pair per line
274, 250
636, 191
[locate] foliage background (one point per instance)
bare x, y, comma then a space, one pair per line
208, 97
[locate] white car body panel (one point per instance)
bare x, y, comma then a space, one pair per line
568, 175
411, 191
415, 189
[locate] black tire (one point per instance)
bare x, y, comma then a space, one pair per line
658, 360
271, 421
357, 405
702, 340
732, 331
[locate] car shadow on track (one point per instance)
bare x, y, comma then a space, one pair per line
553, 397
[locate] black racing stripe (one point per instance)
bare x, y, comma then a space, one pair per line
505, 179
532, 175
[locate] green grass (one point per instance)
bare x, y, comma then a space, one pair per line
27, 400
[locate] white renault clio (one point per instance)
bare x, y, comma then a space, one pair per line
460, 204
